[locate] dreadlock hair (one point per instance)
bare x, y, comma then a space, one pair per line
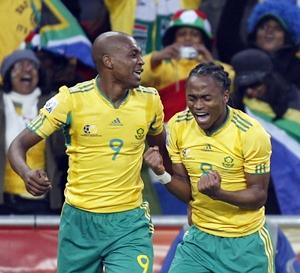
216, 71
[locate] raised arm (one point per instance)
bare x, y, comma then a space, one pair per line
36, 181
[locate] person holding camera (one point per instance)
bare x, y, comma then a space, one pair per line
187, 42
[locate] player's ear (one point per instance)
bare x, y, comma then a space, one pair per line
226, 96
107, 61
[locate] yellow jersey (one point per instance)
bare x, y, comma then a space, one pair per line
104, 144
240, 145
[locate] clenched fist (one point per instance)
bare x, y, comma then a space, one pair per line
210, 183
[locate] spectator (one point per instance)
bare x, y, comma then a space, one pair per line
187, 42
146, 21
20, 99
104, 221
59, 70
261, 90
225, 157
273, 26
256, 79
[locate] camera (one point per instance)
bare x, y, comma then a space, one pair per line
188, 52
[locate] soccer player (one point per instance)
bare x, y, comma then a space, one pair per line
226, 156
106, 121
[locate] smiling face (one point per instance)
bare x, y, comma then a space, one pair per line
270, 35
127, 63
207, 101
24, 76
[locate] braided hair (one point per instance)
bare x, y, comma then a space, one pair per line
216, 71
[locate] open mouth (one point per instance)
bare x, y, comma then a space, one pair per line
202, 117
138, 73
25, 80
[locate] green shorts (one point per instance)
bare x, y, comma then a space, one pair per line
119, 242
201, 252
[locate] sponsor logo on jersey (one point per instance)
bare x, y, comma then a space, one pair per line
90, 130
207, 148
116, 122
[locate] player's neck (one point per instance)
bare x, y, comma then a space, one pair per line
113, 92
218, 124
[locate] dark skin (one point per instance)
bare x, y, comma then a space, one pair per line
119, 63
207, 100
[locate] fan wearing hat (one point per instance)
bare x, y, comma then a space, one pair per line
187, 42
20, 99
272, 26
260, 88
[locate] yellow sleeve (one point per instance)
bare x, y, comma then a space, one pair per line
122, 14
172, 140
157, 124
257, 151
54, 114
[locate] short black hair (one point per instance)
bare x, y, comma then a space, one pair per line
214, 70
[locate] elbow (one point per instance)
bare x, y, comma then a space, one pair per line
257, 203
10, 151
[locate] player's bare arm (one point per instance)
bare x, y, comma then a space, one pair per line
36, 181
253, 197
179, 183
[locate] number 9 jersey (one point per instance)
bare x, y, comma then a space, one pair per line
104, 143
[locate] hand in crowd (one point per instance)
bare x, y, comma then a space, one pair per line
37, 182
210, 183
204, 54
167, 53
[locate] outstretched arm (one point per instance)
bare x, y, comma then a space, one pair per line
36, 181
252, 198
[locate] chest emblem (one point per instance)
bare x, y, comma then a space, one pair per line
140, 133
228, 162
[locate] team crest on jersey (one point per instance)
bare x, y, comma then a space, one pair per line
140, 133
228, 162
51, 104
90, 130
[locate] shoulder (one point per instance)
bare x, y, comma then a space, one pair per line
182, 117
80, 87
246, 125
146, 90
